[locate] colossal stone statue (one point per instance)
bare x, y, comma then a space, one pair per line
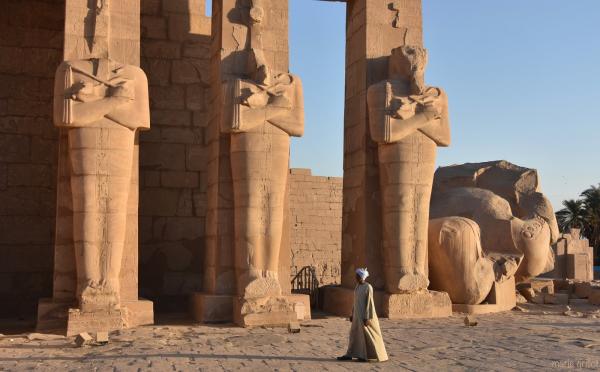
408, 120
501, 232
519, 186
263, 107
101, 103
459, 266
506, 203
264, 112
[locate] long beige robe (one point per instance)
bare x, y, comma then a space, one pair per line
365, 342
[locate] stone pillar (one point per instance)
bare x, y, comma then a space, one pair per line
249, 38
98, 30
373, 29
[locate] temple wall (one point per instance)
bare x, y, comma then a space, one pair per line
316, 224
175, 54
31, 48
173, 171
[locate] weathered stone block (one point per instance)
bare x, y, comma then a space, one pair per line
188, 72
594, 296
556, 298
169, 98
15, 148
154, 27
301, 305
207, 308
184, 228
161, 49
196, 97
418, 305
582, 289
163, 156
158, 202
196, 157
197, 49
150, 7
188, 27
184, 6
182, 135
268, 311
179, 179
176, 118
157, 70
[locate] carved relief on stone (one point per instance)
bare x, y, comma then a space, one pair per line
407, 120
101, 103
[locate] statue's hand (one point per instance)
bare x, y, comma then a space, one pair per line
85, 91
257, 100
433, 109
123, 90
403, 108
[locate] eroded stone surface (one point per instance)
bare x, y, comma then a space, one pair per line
483, 193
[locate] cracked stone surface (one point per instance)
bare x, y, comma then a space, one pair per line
539, 336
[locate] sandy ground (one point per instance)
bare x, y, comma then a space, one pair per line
541, 338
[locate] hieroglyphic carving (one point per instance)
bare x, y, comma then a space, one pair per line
400, 20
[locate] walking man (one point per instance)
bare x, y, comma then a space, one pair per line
366, 341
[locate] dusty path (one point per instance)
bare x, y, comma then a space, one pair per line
509, 341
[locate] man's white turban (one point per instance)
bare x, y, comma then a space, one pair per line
362, 273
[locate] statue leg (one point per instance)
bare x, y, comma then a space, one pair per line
120, 152
101, 166
86, 211
406, 177
259, 171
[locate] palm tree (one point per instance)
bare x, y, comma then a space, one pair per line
573, 215
583, 214
591, 205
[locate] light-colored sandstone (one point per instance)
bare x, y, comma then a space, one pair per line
101, 112
258, 106
502, 234
83, 339
520, 186
100, 103
457, 264
574, 257
408, 120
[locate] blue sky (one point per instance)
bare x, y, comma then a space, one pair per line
523, 79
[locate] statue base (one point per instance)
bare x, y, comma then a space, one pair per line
502, 297
301, 305
273, 311
208, 308
65, 318
420, 305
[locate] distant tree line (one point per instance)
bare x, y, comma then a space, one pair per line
584, 214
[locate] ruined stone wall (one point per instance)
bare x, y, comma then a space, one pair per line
175, 53
31, 43
316, 224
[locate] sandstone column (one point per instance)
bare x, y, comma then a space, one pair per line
101, 101
374, 28
256, 105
